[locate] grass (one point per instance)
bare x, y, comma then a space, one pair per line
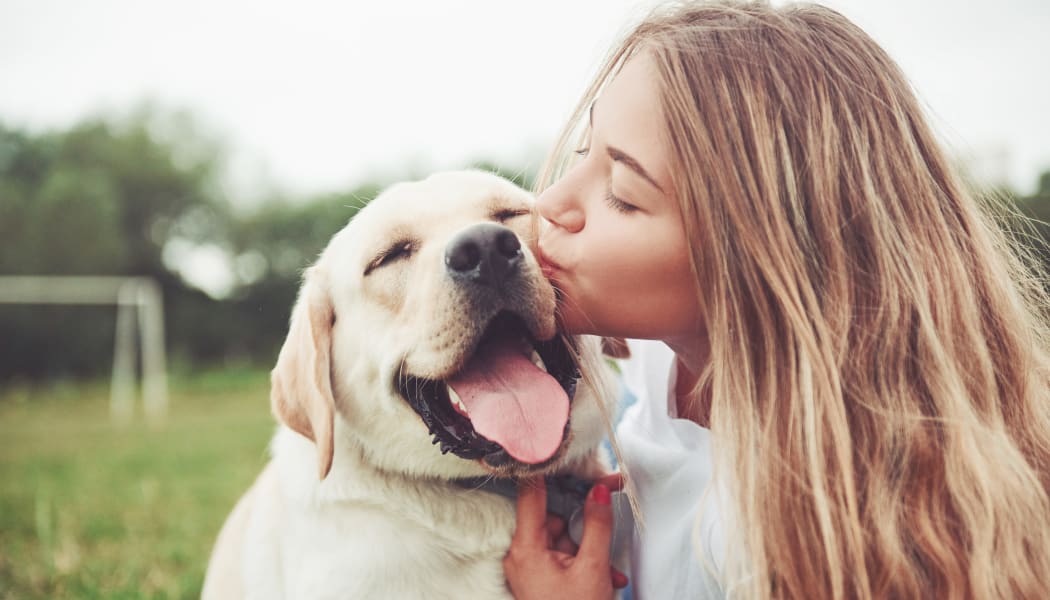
89, 509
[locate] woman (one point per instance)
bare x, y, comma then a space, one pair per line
858, 395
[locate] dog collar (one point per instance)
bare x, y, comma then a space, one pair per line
566, 494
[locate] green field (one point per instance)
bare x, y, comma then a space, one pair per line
89, 509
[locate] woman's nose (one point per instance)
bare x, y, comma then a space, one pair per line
558, 205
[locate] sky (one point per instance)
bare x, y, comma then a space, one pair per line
311, 97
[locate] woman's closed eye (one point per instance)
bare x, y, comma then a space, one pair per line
618, 204
615, 202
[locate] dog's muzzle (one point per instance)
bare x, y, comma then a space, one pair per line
506, 400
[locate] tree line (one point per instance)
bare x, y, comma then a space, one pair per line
115, 196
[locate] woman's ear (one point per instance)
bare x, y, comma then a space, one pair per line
300, 385
615, 347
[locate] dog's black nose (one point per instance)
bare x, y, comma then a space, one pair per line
484, 253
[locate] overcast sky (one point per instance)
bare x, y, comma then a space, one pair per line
314, 96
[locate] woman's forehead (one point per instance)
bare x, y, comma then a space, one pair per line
628, 116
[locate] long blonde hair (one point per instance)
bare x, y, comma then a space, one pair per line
879, 367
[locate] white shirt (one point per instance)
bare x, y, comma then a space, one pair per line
670, 462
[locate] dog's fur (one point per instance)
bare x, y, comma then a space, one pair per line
384, 519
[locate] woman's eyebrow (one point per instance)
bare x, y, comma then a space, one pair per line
622, 157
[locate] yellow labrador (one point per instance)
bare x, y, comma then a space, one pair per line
422, 353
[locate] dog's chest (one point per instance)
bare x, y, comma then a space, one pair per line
448, 549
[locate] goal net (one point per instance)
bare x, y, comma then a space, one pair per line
138, 302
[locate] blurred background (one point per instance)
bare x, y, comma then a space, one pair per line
214, 147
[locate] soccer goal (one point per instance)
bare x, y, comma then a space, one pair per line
133, 297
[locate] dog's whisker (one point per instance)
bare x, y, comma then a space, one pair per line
360, 200
564, 300
482, 482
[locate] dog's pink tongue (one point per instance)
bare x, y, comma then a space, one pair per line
513, 402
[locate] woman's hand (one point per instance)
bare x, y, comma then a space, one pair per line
540, 562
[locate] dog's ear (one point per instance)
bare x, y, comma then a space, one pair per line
615, 347
301, 385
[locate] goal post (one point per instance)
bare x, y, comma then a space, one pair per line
134, 297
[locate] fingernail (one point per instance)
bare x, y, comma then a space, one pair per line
600, 494
619, 579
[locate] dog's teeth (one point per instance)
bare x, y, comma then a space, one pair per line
536, 360
456, 400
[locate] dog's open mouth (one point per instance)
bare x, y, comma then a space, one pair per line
509, 402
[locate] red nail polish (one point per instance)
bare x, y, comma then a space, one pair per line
600, 494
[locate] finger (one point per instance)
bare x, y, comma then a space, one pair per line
597, 525
532, 513
613, 481
619, 580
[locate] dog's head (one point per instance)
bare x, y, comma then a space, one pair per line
428, 328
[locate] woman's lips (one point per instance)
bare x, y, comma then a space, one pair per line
548, 269
548, 266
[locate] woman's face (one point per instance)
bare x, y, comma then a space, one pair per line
615, 245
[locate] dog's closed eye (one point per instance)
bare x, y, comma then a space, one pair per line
505, 214
397, 251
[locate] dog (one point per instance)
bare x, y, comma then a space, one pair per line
422, 353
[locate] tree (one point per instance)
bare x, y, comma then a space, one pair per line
103, 198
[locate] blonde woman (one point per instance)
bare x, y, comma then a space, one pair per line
848, 397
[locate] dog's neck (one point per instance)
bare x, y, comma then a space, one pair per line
565, 493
